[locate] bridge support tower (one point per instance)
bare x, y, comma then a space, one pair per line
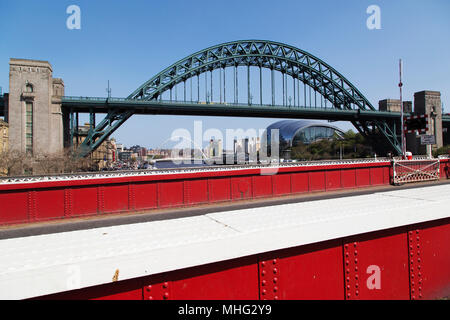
34, 108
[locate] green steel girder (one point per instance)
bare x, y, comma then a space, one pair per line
295, 62
95, 137
299, 64
259, 53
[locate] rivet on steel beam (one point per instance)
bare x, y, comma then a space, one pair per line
274, 261
347, 262
276, 297
264, 282
264, 292
356, 260
275, 280
356, 277
166, 296
356, 292
346, 246
348, 287
355, 244
275, 270
348, 295
356, 285
263, 273
150, 298
275, 289
165, 285
420, 295
263, 264
356, 268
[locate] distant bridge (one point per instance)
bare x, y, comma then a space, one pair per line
310, 88
294, 84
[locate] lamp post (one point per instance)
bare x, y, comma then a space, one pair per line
400, 85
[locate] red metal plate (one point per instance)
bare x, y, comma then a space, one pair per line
348, 177
170, 194
219, 189
300, 182
13, 207
262, 186
376, 265
84, 200
363, 177
333, 179
307, 272
241, 188
235, 280
317, 181
281, 184
145, 196
115, 198
376, 176
49, 204
429, 246
195, 191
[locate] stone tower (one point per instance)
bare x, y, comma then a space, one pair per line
429, 103
34, 108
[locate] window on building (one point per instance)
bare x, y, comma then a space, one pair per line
29, 127
29, 88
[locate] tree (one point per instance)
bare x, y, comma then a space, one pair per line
354, 145
14, 162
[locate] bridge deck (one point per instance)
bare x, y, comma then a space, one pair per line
102, 105
44, 264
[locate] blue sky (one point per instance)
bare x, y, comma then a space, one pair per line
127, 42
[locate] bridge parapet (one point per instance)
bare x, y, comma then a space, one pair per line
34, 199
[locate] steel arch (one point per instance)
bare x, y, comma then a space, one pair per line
259, 53
289, 60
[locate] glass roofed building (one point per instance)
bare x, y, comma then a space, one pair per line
295, 132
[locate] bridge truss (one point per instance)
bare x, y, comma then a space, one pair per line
313, 85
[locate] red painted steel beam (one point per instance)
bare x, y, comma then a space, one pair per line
404, 263
45, 201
